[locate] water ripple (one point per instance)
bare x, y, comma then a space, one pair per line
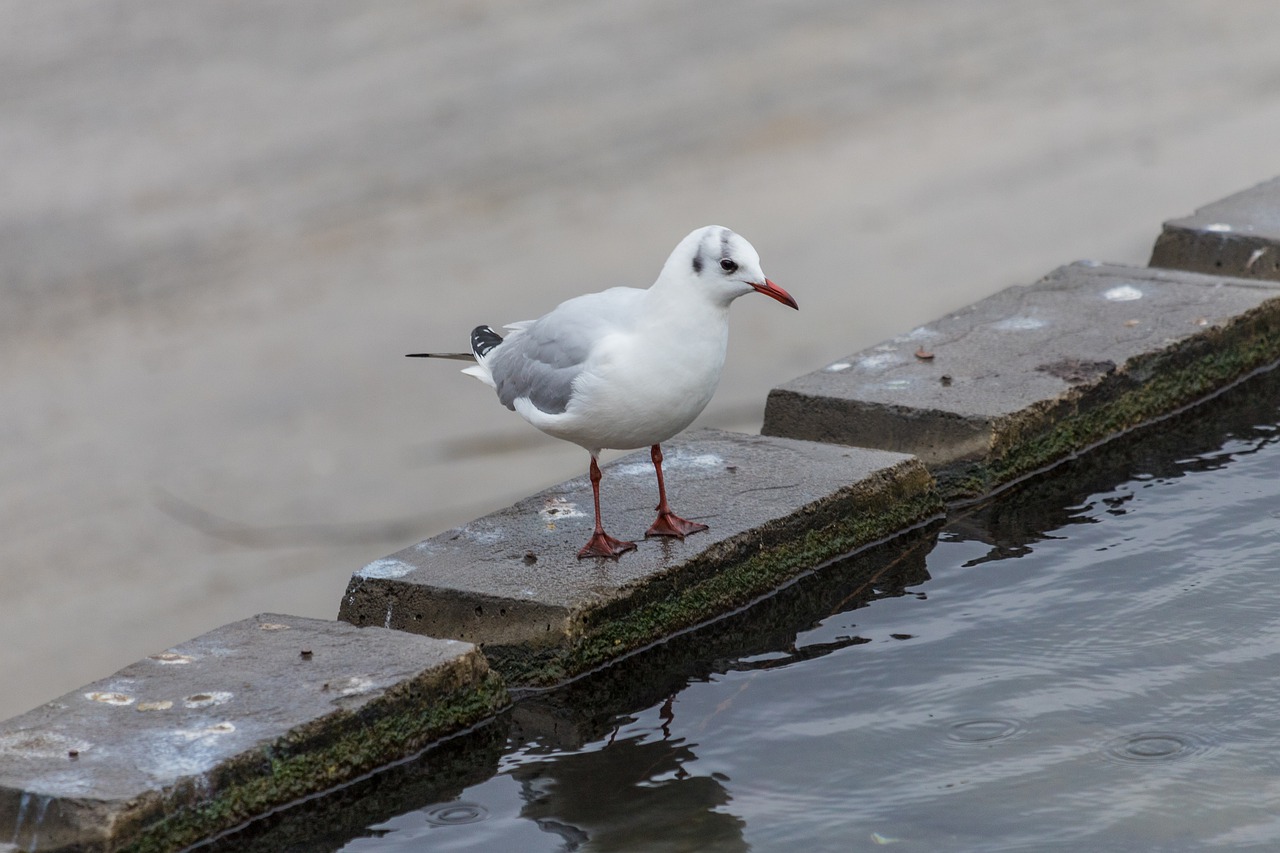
984, 731
1154, 746
454, 814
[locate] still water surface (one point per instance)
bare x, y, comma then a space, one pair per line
1090, 662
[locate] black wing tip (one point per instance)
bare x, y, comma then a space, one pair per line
483, 340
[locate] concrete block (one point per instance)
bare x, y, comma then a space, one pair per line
1036, 373
511, 581
588, 709
225, 727
1237, 236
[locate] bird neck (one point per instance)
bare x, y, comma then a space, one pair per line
678, 304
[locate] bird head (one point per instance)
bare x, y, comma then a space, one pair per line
721, 265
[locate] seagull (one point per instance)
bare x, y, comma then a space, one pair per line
626, 368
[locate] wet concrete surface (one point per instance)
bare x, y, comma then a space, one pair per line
512, 582
222, 226
223, 727
1036, 373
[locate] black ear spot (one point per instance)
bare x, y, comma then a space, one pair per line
697, 264
728, 265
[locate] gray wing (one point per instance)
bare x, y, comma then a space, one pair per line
540, 359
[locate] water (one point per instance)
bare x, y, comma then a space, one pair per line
1089, 662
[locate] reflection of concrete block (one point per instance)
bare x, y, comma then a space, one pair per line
224, 727
512, 582
1237, 236
1033, 374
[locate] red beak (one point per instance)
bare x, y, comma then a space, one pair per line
772, 290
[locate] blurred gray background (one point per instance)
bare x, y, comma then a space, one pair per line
222, 225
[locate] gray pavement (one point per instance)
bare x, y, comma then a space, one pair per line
222, 224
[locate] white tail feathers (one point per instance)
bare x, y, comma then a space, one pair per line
479, 371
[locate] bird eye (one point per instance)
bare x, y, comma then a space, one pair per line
728, 265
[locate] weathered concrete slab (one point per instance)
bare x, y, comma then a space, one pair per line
511, 581
1036, 373
227, 726
1237, 236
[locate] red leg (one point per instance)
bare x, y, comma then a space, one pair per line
668, 523
601, 544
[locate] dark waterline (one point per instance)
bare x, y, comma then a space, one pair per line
1090, 661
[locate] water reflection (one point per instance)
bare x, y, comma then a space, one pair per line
636, 787
1240, 422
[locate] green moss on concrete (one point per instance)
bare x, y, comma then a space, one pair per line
319, 757
715, 586
1143, 390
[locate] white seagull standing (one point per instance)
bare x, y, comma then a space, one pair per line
626, 368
